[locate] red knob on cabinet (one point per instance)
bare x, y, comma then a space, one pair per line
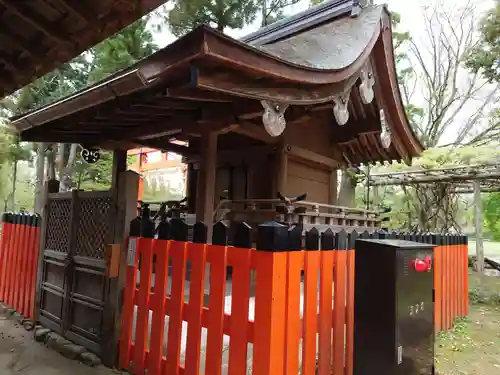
428, 261
419, 265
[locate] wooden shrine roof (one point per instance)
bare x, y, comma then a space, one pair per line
206, 79
36, 36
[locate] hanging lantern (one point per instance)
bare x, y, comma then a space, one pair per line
273, 117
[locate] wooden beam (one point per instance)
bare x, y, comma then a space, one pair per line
165, 146
8, 62
432, 179
18, 41
198, 95
206, 180
253, 131
478, 210
310, 157
77, 7
333, 191
36, 21
281, 170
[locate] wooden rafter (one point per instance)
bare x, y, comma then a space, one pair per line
78, 8
36, 21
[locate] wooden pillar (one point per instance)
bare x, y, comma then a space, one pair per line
124, 190
479, 226
206, 180
281, 171
333, 193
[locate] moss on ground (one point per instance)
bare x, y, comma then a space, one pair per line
472, 347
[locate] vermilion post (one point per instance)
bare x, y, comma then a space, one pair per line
20, 285
239, 258
128, 303
12, 265
339, 304
176, 306
196, 253
271, 264
4, 249
217, 257
310, 325
293, 326
141, 333
161, 250
325, 302
465, 286
438, 267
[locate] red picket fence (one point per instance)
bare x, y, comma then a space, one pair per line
18, 261
451, 280
270, 339
303, 319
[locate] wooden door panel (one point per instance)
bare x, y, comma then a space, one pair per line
304, 179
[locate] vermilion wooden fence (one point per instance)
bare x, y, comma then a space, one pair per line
285, 304
303, 302
451, 279
18, 261
303, 319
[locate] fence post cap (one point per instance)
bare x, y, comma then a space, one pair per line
7, 217
242, 235
179, 230
220, 233
312, 239
341, 240
200, 232
272, 236
295, 237
328, 240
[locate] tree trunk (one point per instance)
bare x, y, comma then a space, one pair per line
60, 160
51, 164
347, 189
67, 174
13, 191
264, 13
40, 176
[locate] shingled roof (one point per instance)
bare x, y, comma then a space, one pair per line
323, 58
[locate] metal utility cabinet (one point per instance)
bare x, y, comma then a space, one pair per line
394, 308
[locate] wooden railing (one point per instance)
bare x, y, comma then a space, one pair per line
316, 214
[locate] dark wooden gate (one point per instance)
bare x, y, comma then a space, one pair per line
73, 284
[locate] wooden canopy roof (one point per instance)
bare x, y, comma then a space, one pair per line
324, 58
38, 35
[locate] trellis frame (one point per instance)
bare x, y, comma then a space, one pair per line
470, 179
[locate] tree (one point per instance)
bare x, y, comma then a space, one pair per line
221, 14
274, 10
484, 57
122, 50
434, 206
452, 98
491, 209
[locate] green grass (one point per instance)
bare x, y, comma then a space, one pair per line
472, 347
